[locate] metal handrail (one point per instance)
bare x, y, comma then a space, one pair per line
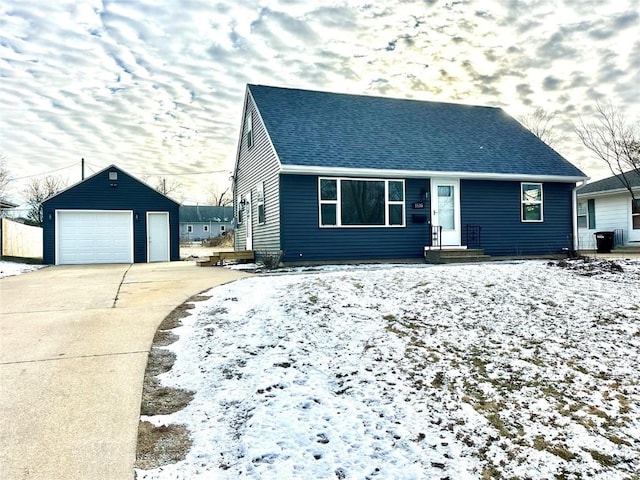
436, 236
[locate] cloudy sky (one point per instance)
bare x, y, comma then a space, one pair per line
156, 86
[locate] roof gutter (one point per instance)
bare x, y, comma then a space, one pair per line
374, 172
607, 192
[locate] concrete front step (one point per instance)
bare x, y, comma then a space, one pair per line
461, 255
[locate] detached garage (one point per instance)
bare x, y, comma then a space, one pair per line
111, 217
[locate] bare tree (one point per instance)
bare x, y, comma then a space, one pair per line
165, 187
541, 124
38, 190
220, 198
4, 176
613, 141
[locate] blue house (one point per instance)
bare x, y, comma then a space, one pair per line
333, 177
110, 217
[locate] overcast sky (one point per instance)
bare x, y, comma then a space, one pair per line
156, 86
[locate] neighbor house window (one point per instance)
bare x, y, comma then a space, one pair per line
531, 202
205, 228
347, 202
260, 201
587, 214
189, 228
635, 213
222, 228
249, 130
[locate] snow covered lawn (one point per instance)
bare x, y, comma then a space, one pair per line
8, 269
524, 370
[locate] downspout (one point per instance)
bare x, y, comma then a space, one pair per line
574, 216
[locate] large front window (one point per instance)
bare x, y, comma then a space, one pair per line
531, 202
635, 213
346, 202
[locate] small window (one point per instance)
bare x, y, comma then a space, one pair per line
531, 202
249, 130
222, 228
396, 203
189, 228
113, 175
587, 214
328, 201
205, 228
260, 201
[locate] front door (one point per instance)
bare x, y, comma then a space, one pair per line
249, 222
158, 236
634, 231
445, 209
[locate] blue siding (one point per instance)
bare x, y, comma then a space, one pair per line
495, 206
126, 193
303, 240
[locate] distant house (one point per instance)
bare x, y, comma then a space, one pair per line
606, 205
201, 222
6, 205
333, 177
110, 217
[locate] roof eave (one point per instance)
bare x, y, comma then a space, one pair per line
600, 193
396, 173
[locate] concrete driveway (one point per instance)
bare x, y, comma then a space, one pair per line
73, 350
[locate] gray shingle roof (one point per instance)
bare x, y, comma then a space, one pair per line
610, 183
331, 130
200, 214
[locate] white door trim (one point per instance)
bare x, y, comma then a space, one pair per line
450, 237
164, 255
634, 235
249, 221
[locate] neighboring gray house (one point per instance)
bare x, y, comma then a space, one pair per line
199, 222
606, 205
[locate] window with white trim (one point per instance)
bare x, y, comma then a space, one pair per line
205, 228
356, 202
531, 202
249, 130
189, 228
240, 216
260, 202
587, 214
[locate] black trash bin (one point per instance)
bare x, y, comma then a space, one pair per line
604, 241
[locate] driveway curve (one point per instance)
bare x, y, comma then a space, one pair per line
74, 342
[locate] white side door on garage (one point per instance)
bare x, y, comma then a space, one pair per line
94, 236
158, 236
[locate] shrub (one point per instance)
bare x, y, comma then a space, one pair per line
270, 259
224, 240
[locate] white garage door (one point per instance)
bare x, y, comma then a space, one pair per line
94, 237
